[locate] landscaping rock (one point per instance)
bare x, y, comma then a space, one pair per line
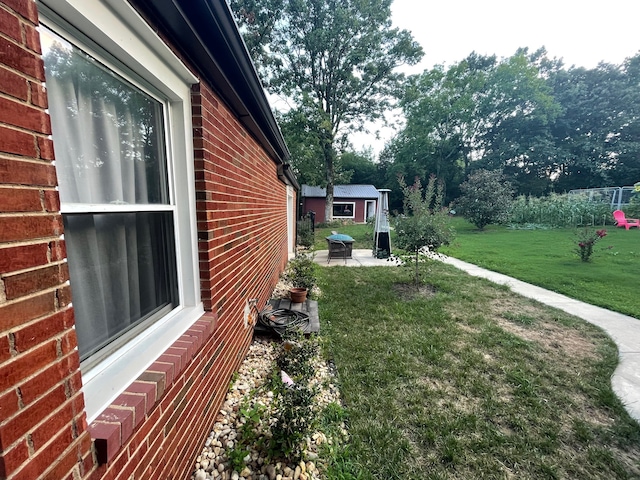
253, 374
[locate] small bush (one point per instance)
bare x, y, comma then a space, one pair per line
425, 225
294, 414
486, 198
301, 271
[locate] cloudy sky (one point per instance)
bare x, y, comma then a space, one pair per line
582, 32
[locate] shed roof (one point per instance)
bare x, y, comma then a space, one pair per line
341, 191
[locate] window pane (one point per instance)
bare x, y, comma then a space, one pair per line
122, 268
342, 210
108, 135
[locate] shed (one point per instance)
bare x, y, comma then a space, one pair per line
350, 202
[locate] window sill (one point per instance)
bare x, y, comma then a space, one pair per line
116, 424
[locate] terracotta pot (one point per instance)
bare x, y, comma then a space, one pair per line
298, 295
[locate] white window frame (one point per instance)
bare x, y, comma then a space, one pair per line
353, 209
118, 36
291, 224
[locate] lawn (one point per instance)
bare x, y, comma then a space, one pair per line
463, 380
362, 235
547, 258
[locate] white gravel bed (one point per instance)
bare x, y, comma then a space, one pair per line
213, 462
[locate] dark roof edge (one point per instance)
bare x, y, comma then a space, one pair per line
206, 34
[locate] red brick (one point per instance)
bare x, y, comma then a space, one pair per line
75, 384
34, 387
38, 95
167, 369
33, 281
26, 8
174, 360
24, 116
184, 345
122, 416
37, 332
56, 422
51, 201
58, 250
13, 459
21, 59
106, 438
29, 417
22, 366
19, 200
29, 227
133, 402
32, 38
19, 143
10, 25
13, 84
69, 342
156, 379
5, 350
17, 313
62, 467
64, 296
8, 406
18, 172
45, 147
146, 389
46, 457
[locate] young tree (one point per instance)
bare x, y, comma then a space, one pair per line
424, 226
337, 57
486, 198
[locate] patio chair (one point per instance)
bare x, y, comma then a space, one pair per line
622, 221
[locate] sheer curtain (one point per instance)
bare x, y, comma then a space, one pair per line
109, 146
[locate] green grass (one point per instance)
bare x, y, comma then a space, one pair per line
547, 258
362, 235
470, 382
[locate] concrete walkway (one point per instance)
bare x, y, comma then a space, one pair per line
623, 330
359, 258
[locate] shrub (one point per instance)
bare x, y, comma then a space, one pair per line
586, 240
425, 226
301, 271
294, 413
486, 198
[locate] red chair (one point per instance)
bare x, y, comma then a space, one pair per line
622, 221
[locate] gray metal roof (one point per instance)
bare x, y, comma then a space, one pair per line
341, 191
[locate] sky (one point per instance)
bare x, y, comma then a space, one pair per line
581, 32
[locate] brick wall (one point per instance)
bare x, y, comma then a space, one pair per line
156, 428
241, 209
42, 421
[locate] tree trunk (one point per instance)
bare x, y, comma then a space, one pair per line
329, 169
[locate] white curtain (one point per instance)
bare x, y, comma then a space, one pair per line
108, 140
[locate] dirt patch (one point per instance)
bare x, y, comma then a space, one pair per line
533, 324
408, 291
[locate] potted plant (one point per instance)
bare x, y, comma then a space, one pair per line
301, 274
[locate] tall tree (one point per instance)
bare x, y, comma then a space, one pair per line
473, 113
335, 57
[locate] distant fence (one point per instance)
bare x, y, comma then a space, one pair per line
616, 197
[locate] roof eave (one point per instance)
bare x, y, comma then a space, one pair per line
206, 34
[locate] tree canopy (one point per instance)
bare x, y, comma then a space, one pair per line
545, 127
335, 60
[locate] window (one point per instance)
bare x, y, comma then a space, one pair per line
109, 139
345, 210
121, 127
